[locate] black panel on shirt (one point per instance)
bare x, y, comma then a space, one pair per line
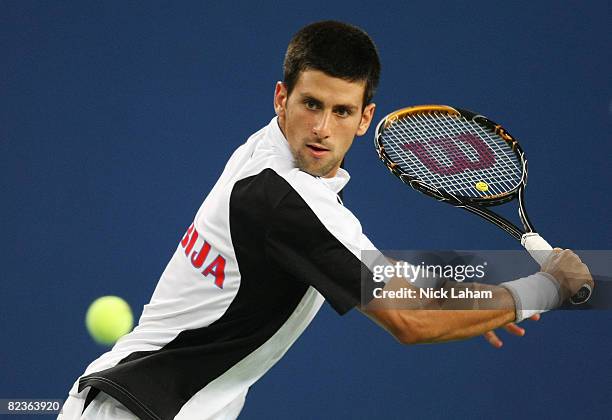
281, 248
299, 243
281, 237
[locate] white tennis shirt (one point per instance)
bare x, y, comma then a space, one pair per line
269, 244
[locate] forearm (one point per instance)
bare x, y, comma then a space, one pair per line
435, 326
428, 320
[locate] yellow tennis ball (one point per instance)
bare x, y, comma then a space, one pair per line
482, 186
108, 319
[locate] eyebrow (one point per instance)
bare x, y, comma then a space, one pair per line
310, 97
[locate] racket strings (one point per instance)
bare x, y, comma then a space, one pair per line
462, 184
423, 131
453, 154
509, 171
441, 127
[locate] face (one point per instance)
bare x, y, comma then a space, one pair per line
320, 119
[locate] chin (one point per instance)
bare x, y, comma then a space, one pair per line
314, 168
312, 172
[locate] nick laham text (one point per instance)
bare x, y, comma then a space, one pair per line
432, 293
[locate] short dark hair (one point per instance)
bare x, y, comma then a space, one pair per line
337, 49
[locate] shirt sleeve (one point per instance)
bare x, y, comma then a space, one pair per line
301, 245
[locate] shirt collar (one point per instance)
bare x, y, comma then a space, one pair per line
280, 143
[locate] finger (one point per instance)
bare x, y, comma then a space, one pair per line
493, 339
535, 317
512, 328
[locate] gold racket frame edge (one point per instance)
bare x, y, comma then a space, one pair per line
418, 109
489, 200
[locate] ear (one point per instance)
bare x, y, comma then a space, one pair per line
366, 119
280, 100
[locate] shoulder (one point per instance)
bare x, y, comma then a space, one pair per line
266, 187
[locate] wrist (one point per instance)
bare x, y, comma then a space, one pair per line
534, 294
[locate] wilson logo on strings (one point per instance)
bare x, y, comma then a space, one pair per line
430, 152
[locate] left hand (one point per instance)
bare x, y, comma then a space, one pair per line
512, 328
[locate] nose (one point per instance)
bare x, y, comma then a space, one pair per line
322, 128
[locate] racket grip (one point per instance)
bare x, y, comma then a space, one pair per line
539, 249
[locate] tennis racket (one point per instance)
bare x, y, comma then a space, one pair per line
466, 160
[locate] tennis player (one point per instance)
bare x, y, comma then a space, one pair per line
271, 242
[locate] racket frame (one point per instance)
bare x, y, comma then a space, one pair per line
476, 205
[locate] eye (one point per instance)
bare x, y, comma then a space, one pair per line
343, 112
310, 104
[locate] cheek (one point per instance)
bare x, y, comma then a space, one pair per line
347, 145
348, 134
299, 120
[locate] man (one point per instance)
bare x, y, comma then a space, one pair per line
269, 244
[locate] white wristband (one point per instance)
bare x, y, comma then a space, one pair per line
534, 294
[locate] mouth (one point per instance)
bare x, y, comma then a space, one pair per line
317, 150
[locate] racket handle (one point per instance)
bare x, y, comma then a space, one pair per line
537, 247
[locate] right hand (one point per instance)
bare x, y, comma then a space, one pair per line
569, 270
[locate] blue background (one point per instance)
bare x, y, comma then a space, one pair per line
117, 118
